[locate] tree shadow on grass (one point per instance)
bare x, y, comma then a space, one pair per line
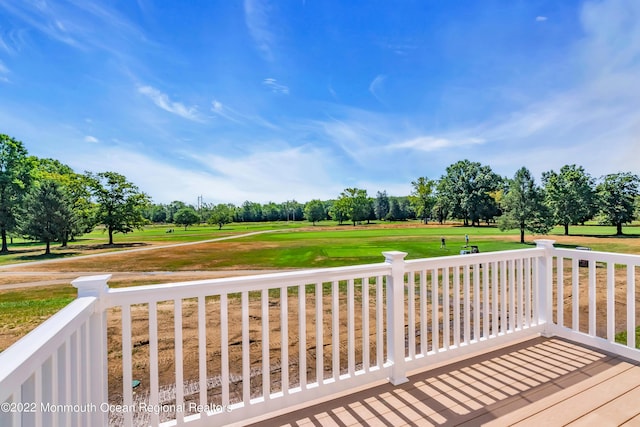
37, 254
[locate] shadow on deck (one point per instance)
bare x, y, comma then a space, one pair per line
537, 382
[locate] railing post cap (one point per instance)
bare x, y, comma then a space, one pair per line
91, 285
544, 243
390, 256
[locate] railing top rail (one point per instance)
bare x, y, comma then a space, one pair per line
470, 259
192, 289
21, 359
630, 259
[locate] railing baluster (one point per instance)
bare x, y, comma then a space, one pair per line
202, 352
246, 357
411, 312
467, 308
485, 300
127, 380
284, 339
560, 290
424, 336
503, 297
611, 301
575, 297
512, 296
527, 292
446, 311
366, 331
456, 306
592, 298
494, 298
266, 363
631, 306
476, 302
153, 362
179, 367
379, 322
224, 348
335, 330
435, 323
302, 337
319, 335
55, 388
519, 263
351, 356
77, 372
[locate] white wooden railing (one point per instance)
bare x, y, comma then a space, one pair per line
270, 342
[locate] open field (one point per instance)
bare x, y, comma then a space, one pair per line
32, 292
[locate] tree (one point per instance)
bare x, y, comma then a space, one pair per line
617, 193
15, 179
339, 210
315, 211
120, 204
186, 217
569, 195
46, 213
523, 207
422, 197
381, 205
75, 188
464, 192
356, 203
221, 214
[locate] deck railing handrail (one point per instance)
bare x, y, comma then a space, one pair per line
411, 314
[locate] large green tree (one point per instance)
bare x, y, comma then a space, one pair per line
356, 203
186, 217
221, 214
381, 205
315, 211
570, 195
465, 192
75, 188
423, 197
46, 214
616, 197
120, 203
15, 178
523, 207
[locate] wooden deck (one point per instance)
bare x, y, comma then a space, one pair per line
540, 382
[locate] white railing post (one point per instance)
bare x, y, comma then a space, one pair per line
545, 285
96, 286
395, 317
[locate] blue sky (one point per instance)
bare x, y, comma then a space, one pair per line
278, 100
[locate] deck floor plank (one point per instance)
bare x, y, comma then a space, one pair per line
543, 381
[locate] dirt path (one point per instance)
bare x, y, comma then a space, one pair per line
30, 274
126, 251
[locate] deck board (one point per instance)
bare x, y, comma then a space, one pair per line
543, 381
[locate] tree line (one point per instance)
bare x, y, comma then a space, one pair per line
45, 200
468, 191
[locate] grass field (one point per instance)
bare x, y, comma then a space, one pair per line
293, 245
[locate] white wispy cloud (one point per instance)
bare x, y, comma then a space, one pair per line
256, 14
91, 139
274, 174
376, 86
541, 18
433, 143
275, 87
162, 100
